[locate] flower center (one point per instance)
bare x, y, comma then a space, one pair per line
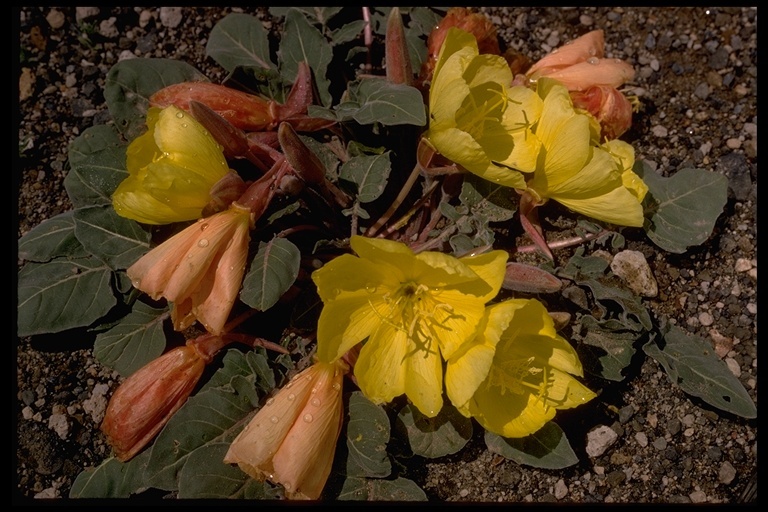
517, 375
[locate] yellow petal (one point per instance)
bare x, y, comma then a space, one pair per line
618, 206
455, 318
424, 381
379, 369
597, 177
491, 268
455, 41
521, 416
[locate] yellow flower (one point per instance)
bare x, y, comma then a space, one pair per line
516, 372
574, 172
477, 119
200, 269
172, 168
414, 309
292, 439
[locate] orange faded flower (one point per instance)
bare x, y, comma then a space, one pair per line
292, 439
580, 64
477, 24
199, 269
609, 106
147, 399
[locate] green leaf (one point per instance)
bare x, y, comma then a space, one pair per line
273, 270
683, 208
239, 40
116, 240
205, 477
133, 342
369, 173
548, 448
581, 267
348, 32
111, 479
633, 314
691, 363
605, 351
381, 101
130, 83
483, 197
445, 434
367, 437
302, 42
97, 166
63, 294
213, 416
366, 489
52, 238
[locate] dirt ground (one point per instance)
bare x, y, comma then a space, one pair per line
697, 81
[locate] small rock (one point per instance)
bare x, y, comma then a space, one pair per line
83, 13
641, 439
108, 29
170, 16
698, 497
733, 143
737, 170
723, 344
705, 318
599, 439
26, 84
660, 443
733, 366
743, 265
561, 490
55, 19
626, 413
659, 131
144, 18
96, 405
59, 423
719, 59
701, 91
632, 268
727, 473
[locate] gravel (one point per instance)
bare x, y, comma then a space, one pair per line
641, 441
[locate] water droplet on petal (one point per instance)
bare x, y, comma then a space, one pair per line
204, 227
270, 401
336, 386
273, 419
555, 50
593, 60
370, 288
316, 402
593, 51
203, 242
287, 486
180, 114
183, 125
136, 283
291, 397
308, 418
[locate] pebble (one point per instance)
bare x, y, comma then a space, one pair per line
170, 16
660, 443
108, 29
59, 423
706, 319
96, 405
743, 265
83, 13
641, 439
698, 497
659, 131
733, 366
561, 490
599, 439
727, 473
632, 268
55, 19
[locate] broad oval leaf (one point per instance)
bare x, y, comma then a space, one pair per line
682, 209
214, 415
131, 82
52, 238
386, 103
369, 173
239, 40
116, 240
633, 314
134, 341
302, 42
371, 489
63, 294
691, 363
367, 437
548, 448
273, 270
111, 479
445, 434
483, 197
97, 166
205, 477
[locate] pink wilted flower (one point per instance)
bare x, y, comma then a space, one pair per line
147, 399
292, 439
609, 106
580, 64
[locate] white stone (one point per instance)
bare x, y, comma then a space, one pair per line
599, 439
96, 405
733, 366
59, 423
743, 265
632, 268
641, 439
561, 490
170, 16
727, 473
659, 131
706, 319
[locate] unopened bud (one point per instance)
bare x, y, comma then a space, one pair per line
609, 106
306, 164
399, 70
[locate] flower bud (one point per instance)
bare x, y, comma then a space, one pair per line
245, 111
147, 399
399, 70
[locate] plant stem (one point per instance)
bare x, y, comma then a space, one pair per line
396, 203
